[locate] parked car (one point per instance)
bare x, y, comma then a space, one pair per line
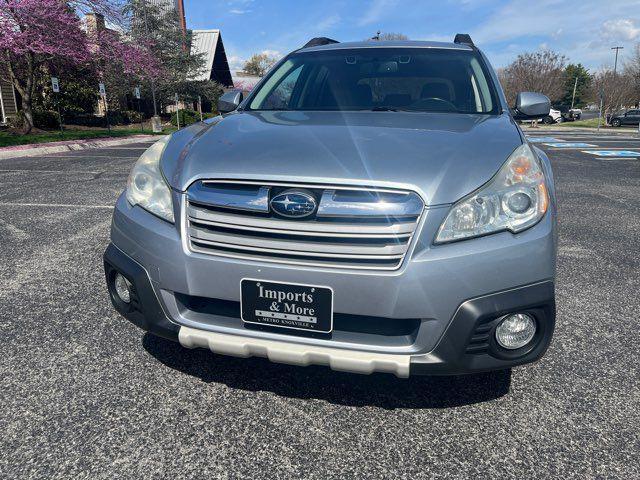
630, 117
555, 116
370, 206
575, 113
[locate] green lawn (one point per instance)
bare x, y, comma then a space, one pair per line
591, 123
9, 139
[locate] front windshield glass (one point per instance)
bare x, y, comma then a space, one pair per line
379, 79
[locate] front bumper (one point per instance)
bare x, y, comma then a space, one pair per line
466, 345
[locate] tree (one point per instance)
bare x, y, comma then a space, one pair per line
33, 32
582, 86
541, 71
259, 64
617, 90
38, 35
632, 68
160, 30
393, 36
77, 90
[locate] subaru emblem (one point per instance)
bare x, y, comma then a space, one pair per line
294, 204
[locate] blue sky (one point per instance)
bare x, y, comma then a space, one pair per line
583, 30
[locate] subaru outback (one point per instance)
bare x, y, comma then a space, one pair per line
369, 206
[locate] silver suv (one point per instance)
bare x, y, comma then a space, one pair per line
368, 206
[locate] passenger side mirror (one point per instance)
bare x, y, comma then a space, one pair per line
229, 101
531, 106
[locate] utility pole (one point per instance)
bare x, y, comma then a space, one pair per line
615, 65
155, 121
573, 98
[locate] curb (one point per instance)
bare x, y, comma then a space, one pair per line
70, 145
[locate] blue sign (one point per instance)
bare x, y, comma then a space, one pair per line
613, 153
570, 145
543, 139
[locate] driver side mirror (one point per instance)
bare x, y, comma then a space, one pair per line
229, 101
531, 106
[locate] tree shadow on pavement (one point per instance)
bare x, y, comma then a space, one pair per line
318, 382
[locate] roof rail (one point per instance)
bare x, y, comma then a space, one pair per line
314, 42
463, 38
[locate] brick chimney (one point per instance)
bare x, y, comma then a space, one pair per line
95, 24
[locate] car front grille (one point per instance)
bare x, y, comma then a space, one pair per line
351, 227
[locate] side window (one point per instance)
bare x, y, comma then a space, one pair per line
279, 98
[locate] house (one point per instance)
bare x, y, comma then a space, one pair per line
8, 102
216, 66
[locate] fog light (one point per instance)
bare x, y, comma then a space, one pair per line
515, 331
122, 287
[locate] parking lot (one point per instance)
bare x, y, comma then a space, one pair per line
85, 394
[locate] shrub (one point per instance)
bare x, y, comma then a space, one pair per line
86, 120
133, 116
46, 119
16, 122
187, 117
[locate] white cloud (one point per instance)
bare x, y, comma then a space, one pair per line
545, 21
272, 53
620, 29
327, 23
376, 11
237, 11
236, 62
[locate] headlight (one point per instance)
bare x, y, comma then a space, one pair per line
146, 186
514, 199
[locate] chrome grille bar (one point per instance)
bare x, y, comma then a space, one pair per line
353, 227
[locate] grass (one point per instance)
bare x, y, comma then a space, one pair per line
590, 123
71, 133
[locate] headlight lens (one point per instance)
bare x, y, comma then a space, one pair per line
146, 186
515, 199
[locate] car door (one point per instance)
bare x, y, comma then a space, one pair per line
633, 117
628, 117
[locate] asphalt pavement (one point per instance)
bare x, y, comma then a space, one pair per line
85, 394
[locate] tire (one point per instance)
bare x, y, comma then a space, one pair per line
616, 122
548, 120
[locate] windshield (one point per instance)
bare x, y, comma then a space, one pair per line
385, 79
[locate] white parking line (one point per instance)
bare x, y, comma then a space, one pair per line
88, 157
126, 148
55, 205
570, 145
613, 153
25, 170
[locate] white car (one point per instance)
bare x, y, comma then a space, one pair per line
555, 116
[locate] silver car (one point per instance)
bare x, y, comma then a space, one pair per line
370, 206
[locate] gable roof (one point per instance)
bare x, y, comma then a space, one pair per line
216, 66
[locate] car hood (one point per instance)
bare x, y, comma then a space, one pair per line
442, 156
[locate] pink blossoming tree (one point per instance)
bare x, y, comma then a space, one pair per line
35, 34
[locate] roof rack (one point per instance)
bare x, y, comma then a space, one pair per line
314, 42
463, 38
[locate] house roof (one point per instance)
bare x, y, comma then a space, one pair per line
216, 67
205, 42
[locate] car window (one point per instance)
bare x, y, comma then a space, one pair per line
414, 79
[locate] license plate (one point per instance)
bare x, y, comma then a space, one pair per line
286, 305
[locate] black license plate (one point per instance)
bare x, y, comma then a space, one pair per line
286, 305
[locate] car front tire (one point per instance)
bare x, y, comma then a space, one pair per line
616, 122
548, 120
